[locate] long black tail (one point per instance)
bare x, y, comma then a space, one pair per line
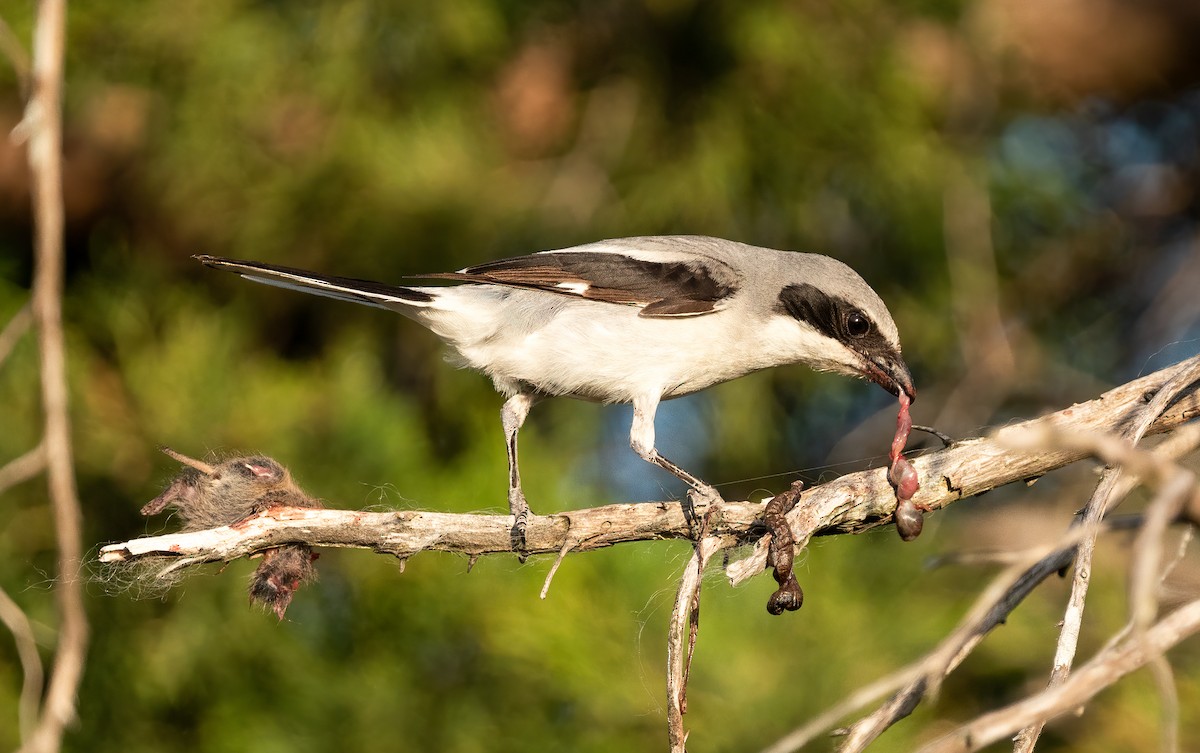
366, 292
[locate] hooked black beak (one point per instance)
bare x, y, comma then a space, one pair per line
892, 374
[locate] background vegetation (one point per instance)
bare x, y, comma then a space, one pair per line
1019, 183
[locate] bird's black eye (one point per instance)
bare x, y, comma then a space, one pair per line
857, 324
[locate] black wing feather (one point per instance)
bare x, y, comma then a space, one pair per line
662, 288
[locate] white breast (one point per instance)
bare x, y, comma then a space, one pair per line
603, 351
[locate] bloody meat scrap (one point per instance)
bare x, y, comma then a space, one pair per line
903, 477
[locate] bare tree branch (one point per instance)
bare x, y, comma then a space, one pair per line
851, 504
43, 127
802, 736
1164, 681
11, 48
1164, 676
681, 638
14, 330
858, 501
1102, 671
21, 469
1034, 436
567, 546
1028, 569
1093, 512
992, 608
17, 623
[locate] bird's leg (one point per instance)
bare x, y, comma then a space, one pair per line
512, 415
641, 439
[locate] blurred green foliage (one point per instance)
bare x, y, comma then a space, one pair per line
375, 140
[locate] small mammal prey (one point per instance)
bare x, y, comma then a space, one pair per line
209, 496
634, 320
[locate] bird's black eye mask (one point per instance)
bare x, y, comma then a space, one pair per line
835, 318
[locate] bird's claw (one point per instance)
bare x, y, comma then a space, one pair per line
519, 509
697, 505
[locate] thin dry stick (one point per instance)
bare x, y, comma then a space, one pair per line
957, 647
1146, 569
10, 46
989, 610
802, 736
992, 608
1146, 575
1096, 508
1102, 671
1164, 676
972, 630
1168, 695
924, 675
43, 124
921, 678
21, 469
14, 330
1141, 466
1175, 487
568, 544
1072, 622
31, 664
681, 639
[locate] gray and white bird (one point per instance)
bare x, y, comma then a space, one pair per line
634, 320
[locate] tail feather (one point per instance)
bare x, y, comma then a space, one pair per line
366, 292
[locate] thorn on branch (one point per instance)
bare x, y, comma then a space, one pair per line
568, 544
945, 439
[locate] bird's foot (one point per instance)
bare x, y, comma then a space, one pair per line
519, 509
697, 505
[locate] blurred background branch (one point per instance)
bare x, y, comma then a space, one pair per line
1061, 698
43, 721
17, 623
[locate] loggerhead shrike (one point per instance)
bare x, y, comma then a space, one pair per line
634, 320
